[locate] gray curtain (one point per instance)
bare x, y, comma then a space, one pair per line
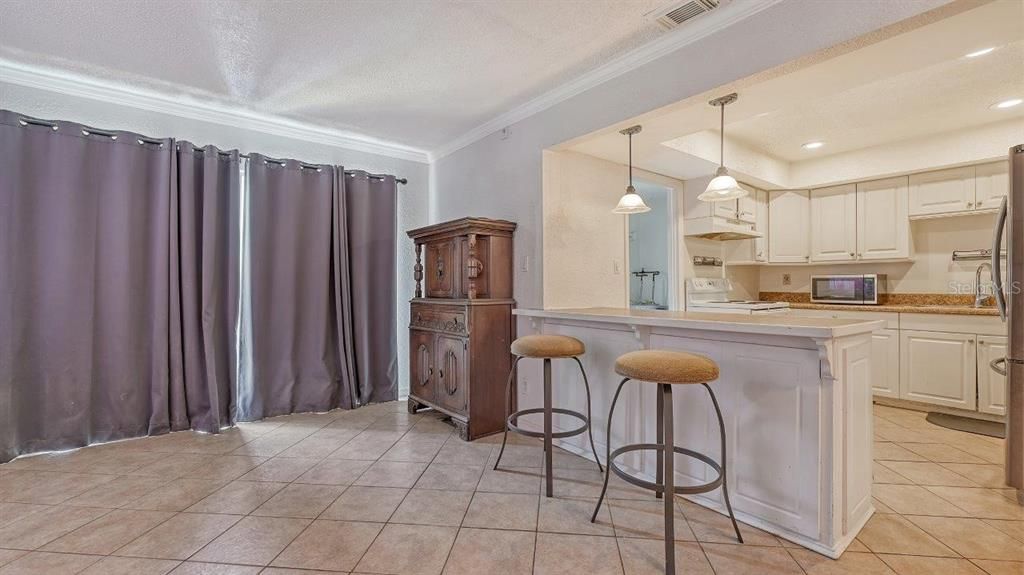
295, 355
365, 228
205, 246
85, 227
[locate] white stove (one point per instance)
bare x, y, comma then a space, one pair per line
712, 295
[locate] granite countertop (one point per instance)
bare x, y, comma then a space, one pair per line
766, 324
949, 304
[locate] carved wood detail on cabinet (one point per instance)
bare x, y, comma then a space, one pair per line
460, 333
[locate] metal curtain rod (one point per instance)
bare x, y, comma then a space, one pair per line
142, 140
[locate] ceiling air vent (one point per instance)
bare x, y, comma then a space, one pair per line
676, 14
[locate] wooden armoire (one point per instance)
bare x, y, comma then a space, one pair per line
461, 323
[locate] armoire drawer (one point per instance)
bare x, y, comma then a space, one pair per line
446, 319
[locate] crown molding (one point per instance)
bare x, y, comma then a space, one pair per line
725, 16
74, 84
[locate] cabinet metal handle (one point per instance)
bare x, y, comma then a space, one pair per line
994, 364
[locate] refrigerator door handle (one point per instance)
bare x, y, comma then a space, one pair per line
997, 250
994, 364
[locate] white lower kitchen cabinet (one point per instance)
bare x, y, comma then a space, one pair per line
885, 363
939, 368
789, 214
991, 385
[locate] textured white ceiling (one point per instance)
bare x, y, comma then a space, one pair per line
416, 72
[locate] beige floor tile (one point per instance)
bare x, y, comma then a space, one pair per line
452, 477
175, 465
1000, 567
199, 568
981, 503
916, 499
11, 512
108, 533
927, 473
511, 480
392, 474
238, 497
8, 555
329, 545
896, 534
177, 495
369, 449
561, 515
942, 453
40, 563
750, 560
850, 563
287, 571
883, 474
266, 445
38, 529
335, 472
299, 500
518, 456
1014, 529
564, 554
881, 507
318, 446
433, 507
409, 550
912, 565
179, 537
646, 519
421, 450
712, 527
227, 467
359, 503
972, 538
982, 475
888, 451
491, 551
577, 482
458, 452
119, 491
502, 511
51, 488
647, 557
252, 541
280, 469
131, 566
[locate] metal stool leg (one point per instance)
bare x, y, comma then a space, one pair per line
665, 415
548, 452
660, 440
590, 418
608, 449
508, 407
725, 481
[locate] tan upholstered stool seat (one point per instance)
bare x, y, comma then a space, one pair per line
666, 367
547, 346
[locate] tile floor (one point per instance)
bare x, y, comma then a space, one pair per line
378, 491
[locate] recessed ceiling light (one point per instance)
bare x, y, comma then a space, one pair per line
977, 53
1006, 104
812, 145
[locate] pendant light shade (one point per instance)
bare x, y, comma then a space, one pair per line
723, 186
631, 202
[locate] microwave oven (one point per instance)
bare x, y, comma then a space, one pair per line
860, 289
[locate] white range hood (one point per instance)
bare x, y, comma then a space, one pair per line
719, 229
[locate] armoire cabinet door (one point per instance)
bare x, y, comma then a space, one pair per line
440, 269
834, 224
452, 373
421, 364
883, 230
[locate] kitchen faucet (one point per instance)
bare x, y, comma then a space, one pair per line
979, 297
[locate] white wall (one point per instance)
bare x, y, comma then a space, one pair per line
502, 176
413, 198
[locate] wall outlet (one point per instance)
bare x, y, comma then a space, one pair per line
616, 267
524, 264
787, 280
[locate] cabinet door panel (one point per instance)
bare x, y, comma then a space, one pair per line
452, 375
834, 223
440, 269
746, 207
992, 184
991, 385
885, 363
421, 364
939, 368
788, 226
726, 209
883, 229
942, 191
761, 244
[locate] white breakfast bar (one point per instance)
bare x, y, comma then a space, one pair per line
795, 393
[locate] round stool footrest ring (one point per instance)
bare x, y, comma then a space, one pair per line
657, 487
554, 434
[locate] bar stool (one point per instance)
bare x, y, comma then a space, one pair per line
668, 368
546, 347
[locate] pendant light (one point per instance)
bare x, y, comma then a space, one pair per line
723, 186
631, 202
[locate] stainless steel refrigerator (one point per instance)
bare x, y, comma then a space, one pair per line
1010, 299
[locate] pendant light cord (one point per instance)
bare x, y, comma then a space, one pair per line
721, 139
631, 160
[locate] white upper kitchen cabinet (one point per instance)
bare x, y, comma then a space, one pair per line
761, 224
991, 385
746, 207
942, 191
992, 184
883, 223
834, 224
789, 214
939, 368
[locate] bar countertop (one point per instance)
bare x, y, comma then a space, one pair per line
765, 324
